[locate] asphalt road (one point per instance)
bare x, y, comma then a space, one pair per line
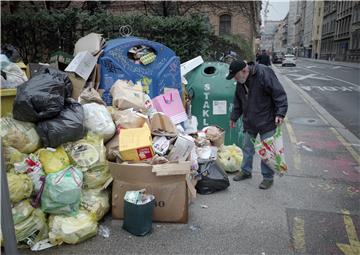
336, 88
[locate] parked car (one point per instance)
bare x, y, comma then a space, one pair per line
289, 60
276, 58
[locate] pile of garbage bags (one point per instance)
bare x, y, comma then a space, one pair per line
57, 147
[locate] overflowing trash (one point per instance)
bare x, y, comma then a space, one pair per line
64, 146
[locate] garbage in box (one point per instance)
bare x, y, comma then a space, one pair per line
182, 148
170, 191
138, 212
135, 144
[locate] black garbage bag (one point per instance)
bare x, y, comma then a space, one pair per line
11, 52
42, 97
68, 126
213, 178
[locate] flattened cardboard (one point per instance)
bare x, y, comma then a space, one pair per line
170, 192
92, 43
83, 64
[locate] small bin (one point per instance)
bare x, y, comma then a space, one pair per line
138, 218
7, 100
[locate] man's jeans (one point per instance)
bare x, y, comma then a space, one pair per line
248, 153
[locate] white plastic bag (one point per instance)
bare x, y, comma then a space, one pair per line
98, 120
271, 151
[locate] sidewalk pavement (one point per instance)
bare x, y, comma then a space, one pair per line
337, 63
313, 209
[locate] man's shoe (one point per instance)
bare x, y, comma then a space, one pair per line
241, 176
265, 184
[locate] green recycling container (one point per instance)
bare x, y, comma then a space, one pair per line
212, 99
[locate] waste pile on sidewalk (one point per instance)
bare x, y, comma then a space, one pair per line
64, 147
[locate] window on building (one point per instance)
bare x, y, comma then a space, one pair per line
225, 25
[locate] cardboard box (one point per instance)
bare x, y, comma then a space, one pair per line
135, 144
170, 191
78, 85
182, 148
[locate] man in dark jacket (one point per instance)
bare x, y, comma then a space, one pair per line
264, 58
262, 102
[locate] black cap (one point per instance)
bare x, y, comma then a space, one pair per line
235, 66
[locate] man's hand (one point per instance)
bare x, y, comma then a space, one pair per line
232, 124
279, 120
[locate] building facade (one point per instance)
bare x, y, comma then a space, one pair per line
317, 28
328, 31
354, 49
226, 17
308, 28
268, 35
291, 26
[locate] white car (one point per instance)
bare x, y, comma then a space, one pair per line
289, 60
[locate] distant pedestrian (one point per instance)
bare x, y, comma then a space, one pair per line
264, 58
316, 55
262, 102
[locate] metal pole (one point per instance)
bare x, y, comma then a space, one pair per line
7, 223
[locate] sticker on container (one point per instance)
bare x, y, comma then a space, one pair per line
219, 107
85, 154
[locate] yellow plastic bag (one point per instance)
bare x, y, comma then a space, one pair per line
72, 230
21, 211
53, 160
32, 229
97, 177
12, 156
96, 201
88, 154
20, 186
20, 135
230, 158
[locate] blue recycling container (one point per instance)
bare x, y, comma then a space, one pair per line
163, 72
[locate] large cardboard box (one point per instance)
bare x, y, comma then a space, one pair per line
171, 192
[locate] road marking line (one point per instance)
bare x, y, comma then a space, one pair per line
347, 145
319, 112
330, 76
354, 247
299, 235
293, 140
